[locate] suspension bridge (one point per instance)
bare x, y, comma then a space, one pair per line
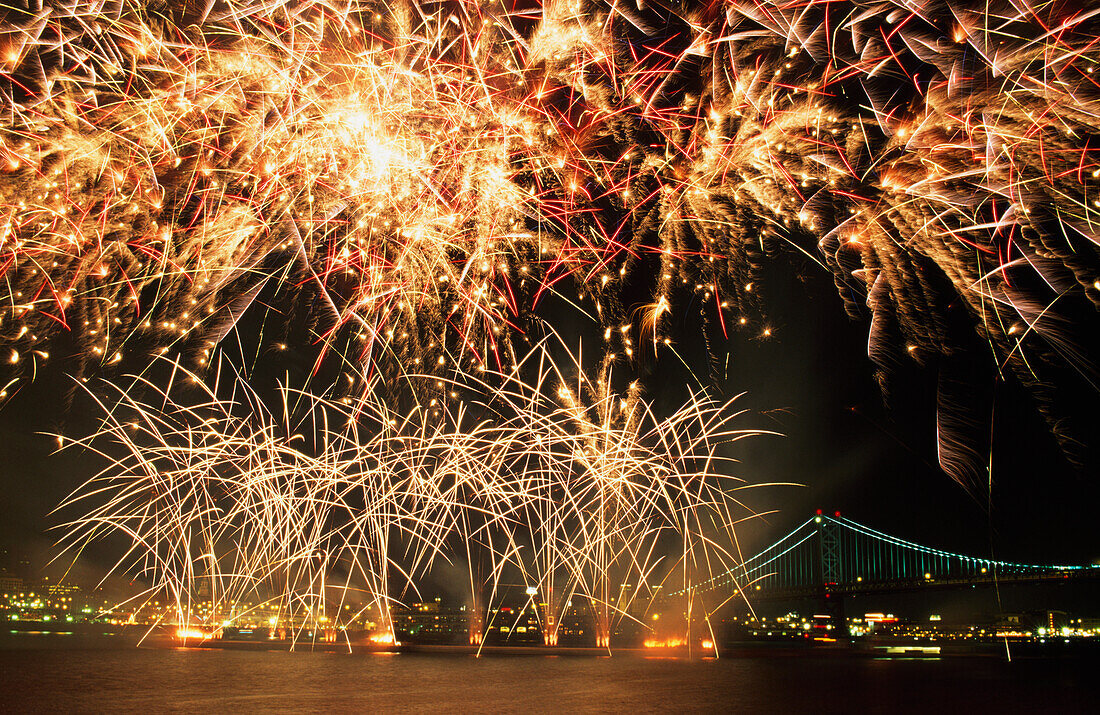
832, 556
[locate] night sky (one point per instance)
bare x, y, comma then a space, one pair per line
810, 381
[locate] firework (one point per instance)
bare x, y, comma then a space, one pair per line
402, 185
575, 496
401, 197
315, 160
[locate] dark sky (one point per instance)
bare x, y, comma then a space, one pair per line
877, 465
811, 381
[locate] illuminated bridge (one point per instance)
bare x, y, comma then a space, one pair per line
830, 556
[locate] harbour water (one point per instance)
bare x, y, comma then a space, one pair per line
52, 673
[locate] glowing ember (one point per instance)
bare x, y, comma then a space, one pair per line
196, 633
382, 639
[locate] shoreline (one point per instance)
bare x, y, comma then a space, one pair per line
22, 634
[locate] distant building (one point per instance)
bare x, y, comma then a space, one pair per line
10, 585
56, 590
429, 622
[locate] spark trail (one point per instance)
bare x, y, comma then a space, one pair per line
403, 185
572, 496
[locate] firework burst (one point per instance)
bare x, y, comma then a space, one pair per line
403, 184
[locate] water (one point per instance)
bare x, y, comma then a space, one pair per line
52, 674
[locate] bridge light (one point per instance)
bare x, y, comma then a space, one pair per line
983, 569
859, 578
817, 519
928, 575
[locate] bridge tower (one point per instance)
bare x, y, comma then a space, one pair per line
830, 573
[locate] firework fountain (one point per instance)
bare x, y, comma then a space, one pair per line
404, 197
572, 496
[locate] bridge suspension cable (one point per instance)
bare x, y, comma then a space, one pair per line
837, 552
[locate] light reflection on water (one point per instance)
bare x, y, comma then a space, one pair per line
80, 674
